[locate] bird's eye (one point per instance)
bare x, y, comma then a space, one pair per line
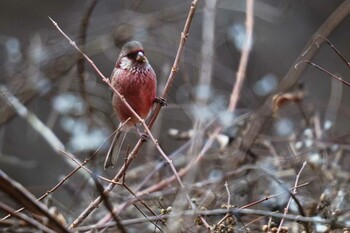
132, 55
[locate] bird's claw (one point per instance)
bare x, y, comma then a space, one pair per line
161, 101
144, 137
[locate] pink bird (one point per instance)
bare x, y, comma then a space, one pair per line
134, 78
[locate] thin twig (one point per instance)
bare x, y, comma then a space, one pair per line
36, 124
54, 188
241, 73
145, 205
175, 67
72, 157
31, 118
30, 221
228, 195
324, 71
290, 199
228, 205
80, 60
293, 75
169, 180
234, 211
108, 204
22, 196
184, 170
269, 197
207, 47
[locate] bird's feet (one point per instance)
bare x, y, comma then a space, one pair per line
161, 101
143, 136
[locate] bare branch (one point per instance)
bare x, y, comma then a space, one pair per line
244, 56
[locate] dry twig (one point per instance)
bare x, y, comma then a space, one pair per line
290, 199
244, 56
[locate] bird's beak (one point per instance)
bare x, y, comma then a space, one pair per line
140, 57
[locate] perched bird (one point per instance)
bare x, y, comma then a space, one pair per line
134, 78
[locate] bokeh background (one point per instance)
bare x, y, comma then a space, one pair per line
39, 67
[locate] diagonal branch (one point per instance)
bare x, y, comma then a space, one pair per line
22, 196
36, 123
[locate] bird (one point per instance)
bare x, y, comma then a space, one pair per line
134, 78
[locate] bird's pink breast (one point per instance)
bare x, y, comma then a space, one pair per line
139, 90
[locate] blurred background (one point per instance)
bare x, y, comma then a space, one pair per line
39, 67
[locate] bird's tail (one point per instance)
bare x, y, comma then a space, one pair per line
114, 149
